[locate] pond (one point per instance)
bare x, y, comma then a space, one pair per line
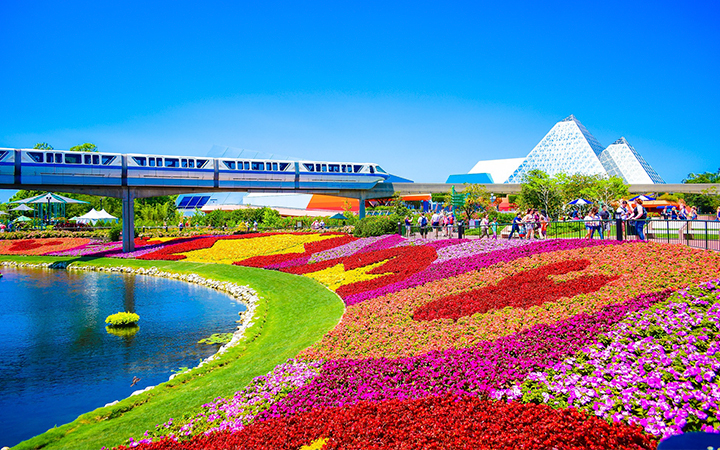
58, 359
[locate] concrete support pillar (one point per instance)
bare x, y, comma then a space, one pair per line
128, 216
361, 213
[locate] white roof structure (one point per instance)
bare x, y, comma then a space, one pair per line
629, 164
567, 148
499, 169
93, 216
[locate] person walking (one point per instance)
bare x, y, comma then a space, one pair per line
422, 224
543, 225
591, 223
604, 220
408, 226
484, 223
494, 224
639, 216
435, 221
515, 226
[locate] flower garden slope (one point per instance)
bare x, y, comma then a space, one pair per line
297, 312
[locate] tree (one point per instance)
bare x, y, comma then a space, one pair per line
541, 191
43, 146
709, 200
86, 147
606, 189
477, 199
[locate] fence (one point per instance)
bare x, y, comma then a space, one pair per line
702, 234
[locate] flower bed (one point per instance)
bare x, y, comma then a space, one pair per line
446, 422
598, 344
40, 246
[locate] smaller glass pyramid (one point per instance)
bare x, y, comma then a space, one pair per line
628, 164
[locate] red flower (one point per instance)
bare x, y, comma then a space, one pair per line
522, 290
446, 422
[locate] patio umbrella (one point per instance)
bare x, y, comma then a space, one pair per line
580, 201
3, 213
337, 216
644, 198
22, 208
23, 219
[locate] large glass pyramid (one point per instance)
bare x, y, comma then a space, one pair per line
568, 148
629, 164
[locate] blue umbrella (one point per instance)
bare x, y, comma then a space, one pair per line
580, 201
644, 198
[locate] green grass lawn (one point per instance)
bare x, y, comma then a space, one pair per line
293, 313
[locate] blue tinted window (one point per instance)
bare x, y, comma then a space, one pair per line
107, 160
73, 159
36, 156
140, 161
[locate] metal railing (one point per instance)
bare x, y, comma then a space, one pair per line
703, 234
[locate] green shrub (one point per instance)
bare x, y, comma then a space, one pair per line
115, 233
122, 319
377, 226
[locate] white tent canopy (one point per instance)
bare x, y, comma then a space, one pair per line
94, 216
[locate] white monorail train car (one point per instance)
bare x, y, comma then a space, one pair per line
57, 167
7, 166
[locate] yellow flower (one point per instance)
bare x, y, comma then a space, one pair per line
227, 251
336, 276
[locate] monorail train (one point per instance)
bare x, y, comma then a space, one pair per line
57, 167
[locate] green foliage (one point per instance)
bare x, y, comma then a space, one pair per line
217, 338
552, 194
541, 191
122, 319
86, 147
474, 198
43, 146
114, 233
709, 200
377, 226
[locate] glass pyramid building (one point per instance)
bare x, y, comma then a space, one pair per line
629, 164
570, 148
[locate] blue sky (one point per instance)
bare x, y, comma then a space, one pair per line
426, 89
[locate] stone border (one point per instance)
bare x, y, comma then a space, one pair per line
239, 293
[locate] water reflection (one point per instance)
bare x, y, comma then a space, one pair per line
59, 361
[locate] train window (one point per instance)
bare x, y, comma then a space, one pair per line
58, 157
317, 168
88, 159
183, 163
36, 156
73, 159
379, 169
140, 161
357, 168
257, 166
151, 162
324, 167
342, 168
107, 160
172, 162
309, 167
372, 170
201, 163
49, 158
275, 167
3, 154
229, 164
96, 159
284, 166
247, 165
334, 167
268, 166
191, 163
